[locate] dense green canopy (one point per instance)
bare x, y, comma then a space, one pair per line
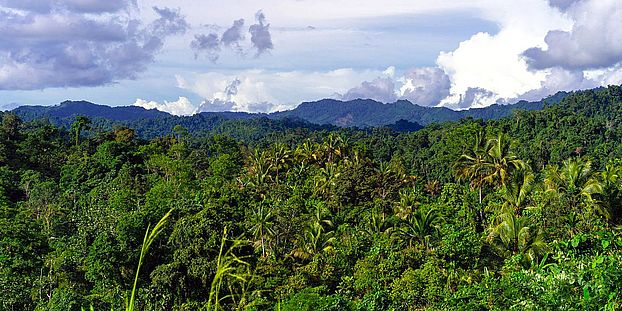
521, 213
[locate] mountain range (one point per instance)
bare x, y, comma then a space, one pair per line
401, 115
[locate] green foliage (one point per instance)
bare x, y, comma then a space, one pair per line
316, 218
311, 299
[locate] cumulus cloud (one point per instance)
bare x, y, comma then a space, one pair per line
234, 34
81, 6
475, 97
425, 86
269, 91
260, 34
222, 101
233, 38
232, 88
181, 106
216, 105
209, 44
381, 89
562, 4
170, 21
77, 43
541, 47
595, 40
559, 79
494, 62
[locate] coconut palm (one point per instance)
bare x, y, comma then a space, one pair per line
281, 157
573, 181
325, 181
420, 226
490, 162
313, 240
333, 147
260, 167
517, 190
609, 200
512, 235
262, 221
473, 165
307, 152
316, 236
385, 176
501, 161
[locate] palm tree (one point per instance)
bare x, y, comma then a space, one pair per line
609, 200
316, 236
406, 205
501, 161
262, 227
333, 147
377, 223
420, 226
307, 152
385, 176
517, 190
325, 181
280, 158
490, 163
260, 167
512, 235
313, 240
473, 165
574, 181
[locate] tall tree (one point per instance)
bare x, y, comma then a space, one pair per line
473, 166
512, 235
517, 190
420, 226
82, 123
262, 221
501, 161
573, 182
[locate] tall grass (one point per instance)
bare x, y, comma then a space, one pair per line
150, 236
228, 270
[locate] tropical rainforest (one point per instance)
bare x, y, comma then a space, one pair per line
520, 213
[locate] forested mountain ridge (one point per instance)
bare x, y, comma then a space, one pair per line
358, 113
366, 112
67, 110
519, 213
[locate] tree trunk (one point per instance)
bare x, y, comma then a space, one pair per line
263, 248
480, 194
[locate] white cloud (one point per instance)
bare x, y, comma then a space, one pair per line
182, 106
268, 91
558, 79
381, 89
493, 62
489, 65
425, 86
485, 69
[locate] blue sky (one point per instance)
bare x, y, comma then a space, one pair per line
190, 56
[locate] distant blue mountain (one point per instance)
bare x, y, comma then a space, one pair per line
70, 109
401, 115
366, 112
